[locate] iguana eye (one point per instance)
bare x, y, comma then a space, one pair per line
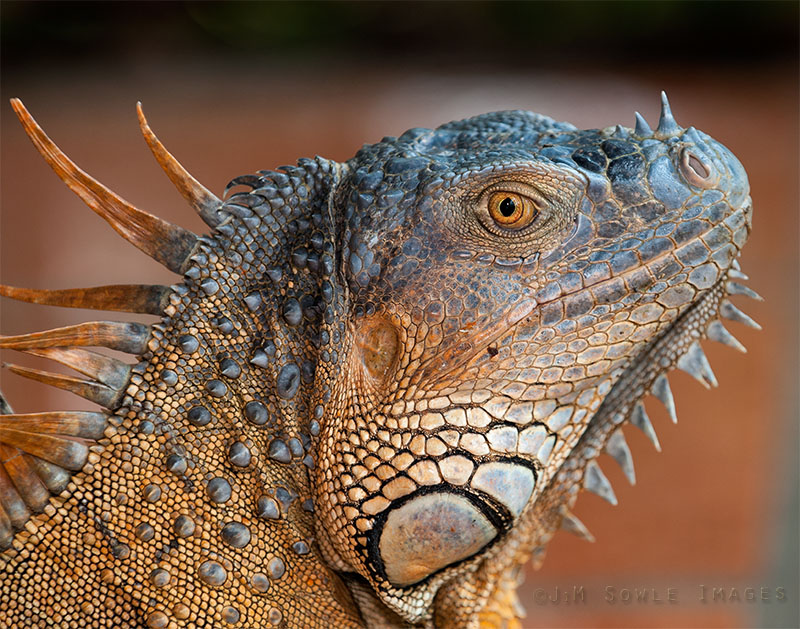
511, 210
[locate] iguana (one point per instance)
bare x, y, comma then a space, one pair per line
379, 386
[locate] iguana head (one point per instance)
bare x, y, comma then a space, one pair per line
504, 275
393, 373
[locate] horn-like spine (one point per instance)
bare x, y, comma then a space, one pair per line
124, 337
70, 454
6, 529
640, 419
55, 478
664, 394
642, 129
166, 243
717, 332
617, 448
106, 370
204, 202
27, 482
596, 482
82, 424
11, 503
734, 288
691, 134
695, 363
141, 299
572, 524
92, 391
667, 126
732, 313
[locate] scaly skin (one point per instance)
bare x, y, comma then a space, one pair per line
377, 391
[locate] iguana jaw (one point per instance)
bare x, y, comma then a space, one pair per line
623, 404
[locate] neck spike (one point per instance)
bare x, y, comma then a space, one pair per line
201, 200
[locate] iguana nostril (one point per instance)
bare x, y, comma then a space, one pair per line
379, 345
697, 166
696, 170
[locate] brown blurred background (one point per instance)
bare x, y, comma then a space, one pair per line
235, 87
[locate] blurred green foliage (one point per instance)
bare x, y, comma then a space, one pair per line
509, 33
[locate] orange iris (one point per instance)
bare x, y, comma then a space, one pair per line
511, 210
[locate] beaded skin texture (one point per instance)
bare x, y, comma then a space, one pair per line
379, 386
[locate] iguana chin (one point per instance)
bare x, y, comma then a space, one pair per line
380, 385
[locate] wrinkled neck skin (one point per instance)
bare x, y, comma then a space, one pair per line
481, 377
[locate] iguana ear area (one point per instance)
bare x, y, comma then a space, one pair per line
526, 206
378, 343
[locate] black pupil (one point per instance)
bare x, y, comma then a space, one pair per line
507, 207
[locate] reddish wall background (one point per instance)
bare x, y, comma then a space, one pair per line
716, 508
